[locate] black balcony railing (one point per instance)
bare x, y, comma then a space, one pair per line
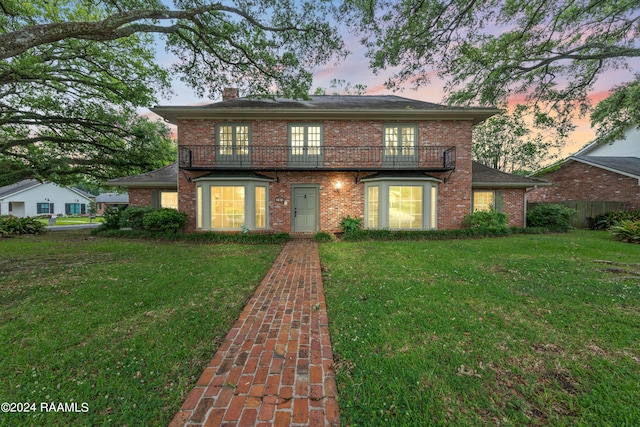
205, 157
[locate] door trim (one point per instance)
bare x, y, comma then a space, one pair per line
316, 189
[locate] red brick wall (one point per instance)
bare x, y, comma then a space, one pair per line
578, 181
454, 200
513, 204
139, 197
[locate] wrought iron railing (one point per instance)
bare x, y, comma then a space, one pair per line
434, 158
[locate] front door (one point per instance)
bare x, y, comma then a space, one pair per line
305, 209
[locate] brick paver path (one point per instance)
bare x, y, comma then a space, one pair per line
275, 367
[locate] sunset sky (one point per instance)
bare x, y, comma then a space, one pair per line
355, 70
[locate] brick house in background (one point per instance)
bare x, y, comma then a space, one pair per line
602, 179
300, 166
157, 189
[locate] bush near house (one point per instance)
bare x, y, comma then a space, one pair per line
484, 219
148, 219
553, 216
627, 231
13, 226
606, 221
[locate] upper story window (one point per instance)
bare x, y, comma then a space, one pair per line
400, 145
233, 141
305, 144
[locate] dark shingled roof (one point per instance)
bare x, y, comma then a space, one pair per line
327, 106
166, 177
484, 176
625, 165
7, 190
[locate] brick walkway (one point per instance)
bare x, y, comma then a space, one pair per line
275, 367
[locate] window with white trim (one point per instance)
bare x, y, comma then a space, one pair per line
401, 204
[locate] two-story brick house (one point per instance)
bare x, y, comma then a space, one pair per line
303, 165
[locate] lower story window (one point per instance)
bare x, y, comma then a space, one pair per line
232, 205
401, 205
75, 208
482, 200
44, 208
169, 199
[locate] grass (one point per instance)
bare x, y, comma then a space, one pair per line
72, 220
126, 326
523, 330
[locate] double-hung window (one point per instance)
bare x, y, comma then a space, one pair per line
233, 144
399, 145
305, 144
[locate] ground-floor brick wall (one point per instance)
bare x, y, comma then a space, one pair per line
454, 197
576, 181
513, 204
140, 197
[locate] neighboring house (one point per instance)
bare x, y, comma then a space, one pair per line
30, 198
592, 179
303, 165
111, 200
627, 147
156, 189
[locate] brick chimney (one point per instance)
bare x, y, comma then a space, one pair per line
229, 93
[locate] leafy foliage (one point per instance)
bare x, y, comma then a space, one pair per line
627, 231
486, 219
507, 143
133, 217
606, 221
166, 219
13, 226
553, 216
461, 233
550, 53
350, 225
71, 86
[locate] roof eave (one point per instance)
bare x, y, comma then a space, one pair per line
607, 168
173, 114
509, 184
130, 184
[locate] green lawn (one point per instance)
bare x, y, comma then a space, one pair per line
124, 326
524, 330
72, 220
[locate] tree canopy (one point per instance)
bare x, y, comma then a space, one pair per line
552, 53
74, 74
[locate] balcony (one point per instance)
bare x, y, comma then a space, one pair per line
203, 157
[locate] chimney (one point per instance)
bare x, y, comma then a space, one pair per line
229, 93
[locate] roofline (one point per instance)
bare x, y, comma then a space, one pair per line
125, 184
509, 184
173, 114
610, 169
22, 190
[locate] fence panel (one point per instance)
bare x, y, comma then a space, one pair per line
586, 209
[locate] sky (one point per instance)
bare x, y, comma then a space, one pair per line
355, 70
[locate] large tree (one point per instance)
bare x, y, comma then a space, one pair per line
552, 52
74, 74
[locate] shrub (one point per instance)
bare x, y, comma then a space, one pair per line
132, 217
607, 220
13, 226
350, 225
627, 231
165, 219
553, 216
112, 218
323, 237
484, 219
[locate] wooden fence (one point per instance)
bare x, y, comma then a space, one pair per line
586, 209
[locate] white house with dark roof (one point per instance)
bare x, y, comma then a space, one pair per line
30, 198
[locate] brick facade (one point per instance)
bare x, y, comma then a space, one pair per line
576, 181
454, 193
